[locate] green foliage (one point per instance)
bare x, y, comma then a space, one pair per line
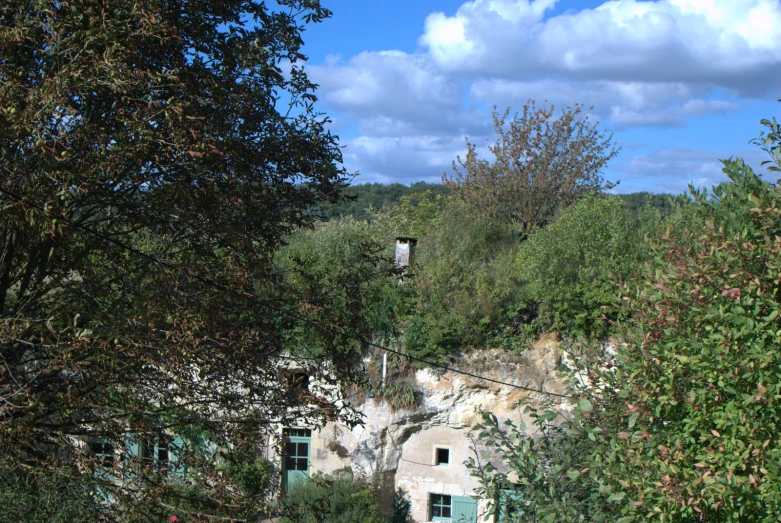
420, 212
638, 203
247, 482
552, 469
31, 496
399, 395
679, 420
361, 200
465, 281
541, 165
324, 499
346, 261
401, 508
575, 265
253, 474
154, 156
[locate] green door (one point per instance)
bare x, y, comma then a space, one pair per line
464, 510
297, 446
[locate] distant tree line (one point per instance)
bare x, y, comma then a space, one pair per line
360, 198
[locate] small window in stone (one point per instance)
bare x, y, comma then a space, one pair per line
442, 456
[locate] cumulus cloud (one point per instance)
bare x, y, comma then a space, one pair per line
406, 160
730, 44
393, 92
624, 104
657, 63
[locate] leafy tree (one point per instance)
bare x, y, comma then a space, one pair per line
677, 422
418, 213
348, 260
401, 508
575, 265
466, 282
638, 203
541, 164
150, 171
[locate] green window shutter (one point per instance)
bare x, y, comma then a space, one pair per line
132, 446
509, 504
464, 510
174, 448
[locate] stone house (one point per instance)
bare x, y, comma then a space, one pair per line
423, 450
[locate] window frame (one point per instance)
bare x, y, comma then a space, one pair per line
103, 450
437, 462
442, 505
156, 452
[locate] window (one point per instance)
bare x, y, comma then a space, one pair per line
162, 452
103, 450
298, 433
297, 455
441, 507
442, 456
453, 508
154, 453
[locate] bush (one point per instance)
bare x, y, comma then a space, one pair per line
30, 495
399, 395
327, 499
465, 280
679, 422
575, 265
350, 263
253, 474
401, 508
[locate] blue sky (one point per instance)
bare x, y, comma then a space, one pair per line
679, 83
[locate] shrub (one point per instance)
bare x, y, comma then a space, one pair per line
575, 265
328, 499
466, 283
399, 395
30, 495
253, 474
681, 420
401, 508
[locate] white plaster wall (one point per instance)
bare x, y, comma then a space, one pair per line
418, 475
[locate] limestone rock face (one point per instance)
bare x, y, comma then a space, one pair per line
450, 400
402, 446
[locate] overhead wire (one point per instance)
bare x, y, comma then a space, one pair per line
253, 299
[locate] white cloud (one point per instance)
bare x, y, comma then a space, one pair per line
402, 159
731, 44
392, 92
638, 63
669, 116
624, 104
